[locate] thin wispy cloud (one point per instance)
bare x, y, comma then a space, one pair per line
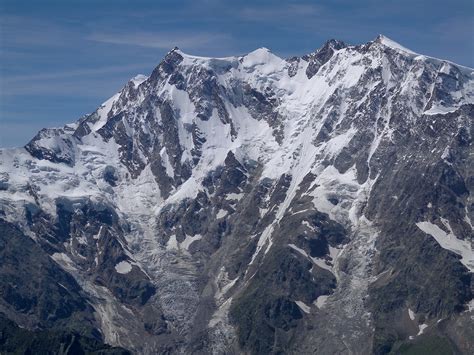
277, 11
161, 40
74, 73
16, 31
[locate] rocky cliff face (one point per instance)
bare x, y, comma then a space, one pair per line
252, 204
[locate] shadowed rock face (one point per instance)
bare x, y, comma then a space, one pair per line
14, 340
34, 288
320, 204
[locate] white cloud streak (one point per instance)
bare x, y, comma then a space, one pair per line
71, 73
161, 40
276, 12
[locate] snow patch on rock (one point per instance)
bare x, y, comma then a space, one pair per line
303, 306
123, 267
321, 301
450, 242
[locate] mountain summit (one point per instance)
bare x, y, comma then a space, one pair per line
317, 204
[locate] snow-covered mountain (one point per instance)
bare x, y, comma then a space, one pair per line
253, 204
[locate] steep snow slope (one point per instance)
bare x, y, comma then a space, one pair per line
260, 204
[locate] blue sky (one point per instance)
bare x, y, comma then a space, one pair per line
60, 59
